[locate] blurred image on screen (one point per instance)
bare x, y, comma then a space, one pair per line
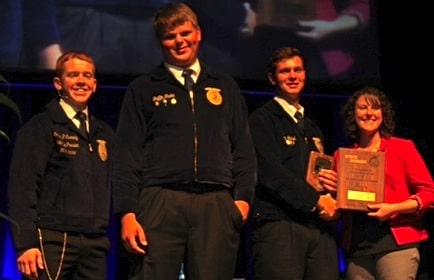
338, 36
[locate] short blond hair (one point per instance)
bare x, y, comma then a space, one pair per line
60, 63
171, 15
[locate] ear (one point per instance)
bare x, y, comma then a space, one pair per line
94, 86
271, 78
199, 35
57, 83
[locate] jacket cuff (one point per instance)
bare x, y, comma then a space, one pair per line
418, 212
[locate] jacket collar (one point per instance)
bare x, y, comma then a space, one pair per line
58, 115
160, 73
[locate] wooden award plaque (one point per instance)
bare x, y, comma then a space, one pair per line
361, 177
317, 161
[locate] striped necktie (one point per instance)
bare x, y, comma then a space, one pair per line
188, 80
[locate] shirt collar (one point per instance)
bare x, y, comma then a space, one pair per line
71, 111
288, 108
177, 71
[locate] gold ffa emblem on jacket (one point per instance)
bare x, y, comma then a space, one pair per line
213, 95
102, 149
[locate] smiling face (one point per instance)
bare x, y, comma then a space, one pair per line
77, 82
289, 78
368, 114
180, 44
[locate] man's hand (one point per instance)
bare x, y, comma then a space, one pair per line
244, 209
248, 27
328, 179
30, 262
326, 206
132, 234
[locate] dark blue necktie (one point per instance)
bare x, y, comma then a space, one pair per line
82, 118
188, 80
300, 120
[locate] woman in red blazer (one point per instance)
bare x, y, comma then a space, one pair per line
383, 242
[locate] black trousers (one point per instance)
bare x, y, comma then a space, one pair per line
85, 256
199, 230
286, 250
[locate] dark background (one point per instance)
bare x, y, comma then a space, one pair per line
404, 67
